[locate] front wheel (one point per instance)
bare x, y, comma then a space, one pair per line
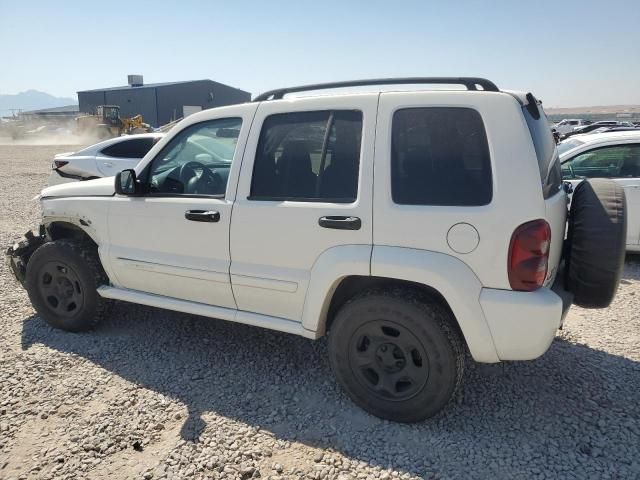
396, 354
62, 279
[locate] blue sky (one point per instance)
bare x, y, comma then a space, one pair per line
569, 53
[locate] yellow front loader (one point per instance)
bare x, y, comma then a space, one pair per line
107, 123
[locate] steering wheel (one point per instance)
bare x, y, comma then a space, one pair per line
188, 171
208, 183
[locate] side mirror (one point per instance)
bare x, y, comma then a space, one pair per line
127, 183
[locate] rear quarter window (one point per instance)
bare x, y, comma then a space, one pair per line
546, 153
440, 156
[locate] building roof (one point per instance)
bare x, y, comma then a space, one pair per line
65, 109
149, 85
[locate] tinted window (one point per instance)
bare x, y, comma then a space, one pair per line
545, 147
440, 156
134, 148
608, 162
197, 160
308, 156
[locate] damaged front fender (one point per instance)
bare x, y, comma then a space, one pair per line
19, 253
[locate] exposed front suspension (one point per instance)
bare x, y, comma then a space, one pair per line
19, 253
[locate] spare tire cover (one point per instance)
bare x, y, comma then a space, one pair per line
596, 242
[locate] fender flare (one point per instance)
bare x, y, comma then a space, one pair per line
329, 269
449, 276
453, 279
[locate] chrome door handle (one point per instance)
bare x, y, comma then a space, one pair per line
340, 222
107, 164
202, 216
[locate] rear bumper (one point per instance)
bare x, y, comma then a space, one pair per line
523, 324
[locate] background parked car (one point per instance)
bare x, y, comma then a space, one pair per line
614, 155
591, 128
616, 129
569, 124
103, 159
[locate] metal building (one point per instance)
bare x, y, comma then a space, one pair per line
161, 103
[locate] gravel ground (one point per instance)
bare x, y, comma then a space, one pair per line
155, 394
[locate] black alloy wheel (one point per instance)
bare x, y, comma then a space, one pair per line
397, 353
62, 279
60, 288
388, 360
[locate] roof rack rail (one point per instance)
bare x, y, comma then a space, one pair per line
472, 83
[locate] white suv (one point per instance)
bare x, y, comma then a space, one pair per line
411, 226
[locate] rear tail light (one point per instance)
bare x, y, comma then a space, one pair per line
529, 255
59, 163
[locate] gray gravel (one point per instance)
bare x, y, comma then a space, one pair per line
155, 394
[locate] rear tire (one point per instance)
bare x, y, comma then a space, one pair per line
396, 354
62, 280
596, 242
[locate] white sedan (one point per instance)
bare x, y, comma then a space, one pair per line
614, 155
103, 159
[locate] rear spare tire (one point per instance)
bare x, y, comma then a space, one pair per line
596, 242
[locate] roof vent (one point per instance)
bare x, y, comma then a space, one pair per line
135, 80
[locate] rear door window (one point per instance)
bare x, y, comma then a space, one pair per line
133, 148
440, 156
308, 156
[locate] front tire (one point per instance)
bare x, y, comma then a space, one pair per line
396, 354
62, 280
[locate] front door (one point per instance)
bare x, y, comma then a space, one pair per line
174, 241
305, 187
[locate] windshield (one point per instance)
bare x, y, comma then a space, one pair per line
568, 145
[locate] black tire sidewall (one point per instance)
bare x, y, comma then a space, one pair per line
63, 251
421, 320
596, 242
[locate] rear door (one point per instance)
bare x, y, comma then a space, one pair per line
305, 187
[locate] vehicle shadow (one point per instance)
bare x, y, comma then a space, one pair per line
552, 412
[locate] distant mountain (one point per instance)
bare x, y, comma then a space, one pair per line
32, 100
598, 109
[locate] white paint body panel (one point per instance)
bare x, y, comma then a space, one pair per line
94, 188
522, 324
153, 248
269, 263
